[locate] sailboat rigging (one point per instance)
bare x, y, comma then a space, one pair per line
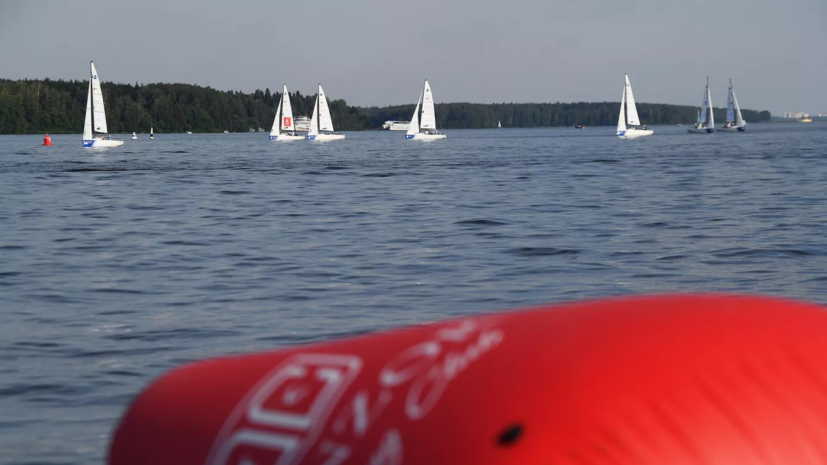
424, 129
628, 120
706, 121
94, 123
284, 128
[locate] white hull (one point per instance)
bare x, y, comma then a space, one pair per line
134, 137
325, 137
633, 133
286, 137
102, 143
701, 130
423, 136
733, 129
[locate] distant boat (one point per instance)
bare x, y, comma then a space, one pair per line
705, 123
805, 119
629, 118
226, 132
134, 136
95, 121
499, 124
321, 125
283, 128
189, 132
151, 133
427, 129
579, 126
734, 121
395, 125
302, 124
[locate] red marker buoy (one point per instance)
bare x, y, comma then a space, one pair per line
669, 379
47, 140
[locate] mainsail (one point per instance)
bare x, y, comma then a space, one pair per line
98, 113
631, 109
286, 111
325, 123
428, 115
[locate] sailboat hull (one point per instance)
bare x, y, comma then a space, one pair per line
733, 129
102, 143
285, 137
423, 136
632, 133
325, 137
700, 130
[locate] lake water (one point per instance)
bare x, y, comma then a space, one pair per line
118, 265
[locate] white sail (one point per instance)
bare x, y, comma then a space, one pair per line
739, 120
87, 122
414, 128
632, 118
711, 116
325, 122
314, 119
286, 111
98, 113
428, 115
621, 120
275, 130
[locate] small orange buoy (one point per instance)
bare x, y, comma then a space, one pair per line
47, 140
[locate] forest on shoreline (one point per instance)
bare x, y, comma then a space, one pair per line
58, 107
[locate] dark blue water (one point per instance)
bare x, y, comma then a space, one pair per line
118, 265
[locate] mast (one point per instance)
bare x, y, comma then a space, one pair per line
92, 99
318, 114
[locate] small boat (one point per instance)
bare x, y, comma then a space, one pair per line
705, 123
734, 121
321, 125
189, 132
579, 126
629, 119
151, 133
427, 129
94, 125
805, 119
283, 128
134, 136
499, 124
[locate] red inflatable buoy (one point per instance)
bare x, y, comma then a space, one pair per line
47, 140
651, 380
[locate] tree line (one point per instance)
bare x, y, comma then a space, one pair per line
59, 107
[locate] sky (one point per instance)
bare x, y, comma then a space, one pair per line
378, 52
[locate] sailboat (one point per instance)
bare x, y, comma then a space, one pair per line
734, 121
134, 136
151, 133
706, 120
321, 125
283, 127
95, 121
499, 124
426, 130
629, 118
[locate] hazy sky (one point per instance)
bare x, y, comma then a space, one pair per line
378, 52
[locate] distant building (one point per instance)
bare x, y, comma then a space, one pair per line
788, 114
801, 114
822, 114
